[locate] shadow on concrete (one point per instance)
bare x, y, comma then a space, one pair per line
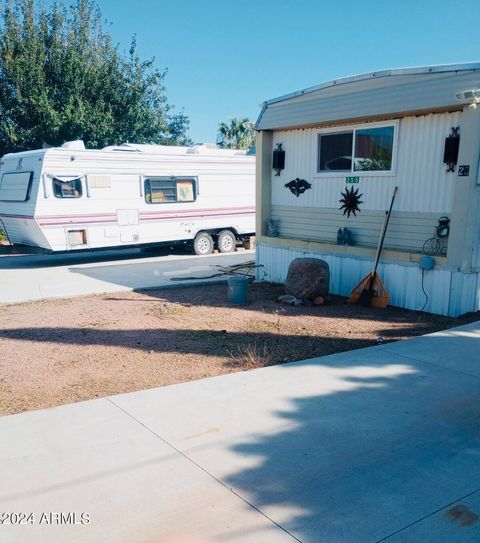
382, 447
354, 448
52, 260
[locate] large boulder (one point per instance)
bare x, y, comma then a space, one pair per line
308, 278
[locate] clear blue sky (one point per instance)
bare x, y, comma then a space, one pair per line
224, 58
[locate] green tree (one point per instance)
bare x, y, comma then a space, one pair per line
239, 134
61, 79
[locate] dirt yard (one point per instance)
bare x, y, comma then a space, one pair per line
61, 351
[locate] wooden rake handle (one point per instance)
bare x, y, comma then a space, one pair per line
388, 214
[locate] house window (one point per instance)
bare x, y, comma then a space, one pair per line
362, 149
71, 188
164, 190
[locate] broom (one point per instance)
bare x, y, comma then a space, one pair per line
370, 291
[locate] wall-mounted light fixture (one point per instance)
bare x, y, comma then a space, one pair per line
278, 162
471, 97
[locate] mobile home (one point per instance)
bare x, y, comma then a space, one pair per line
418, 129
71, 198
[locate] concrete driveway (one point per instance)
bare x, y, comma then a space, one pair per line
36, 277
379, 444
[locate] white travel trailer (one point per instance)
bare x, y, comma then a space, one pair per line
71, 198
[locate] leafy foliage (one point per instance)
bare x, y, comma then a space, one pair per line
373, 164
61, 79
380, 160
239, 134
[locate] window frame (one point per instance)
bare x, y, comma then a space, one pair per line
29, 186
174, 178
352, 172
59, 178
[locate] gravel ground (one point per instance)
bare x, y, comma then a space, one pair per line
61, 351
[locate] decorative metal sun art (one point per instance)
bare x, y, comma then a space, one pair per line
350, 201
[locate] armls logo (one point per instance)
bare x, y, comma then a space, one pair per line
64, 518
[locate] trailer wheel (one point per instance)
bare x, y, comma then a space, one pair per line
203, 244
226, 241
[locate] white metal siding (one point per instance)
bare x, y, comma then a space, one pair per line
450, 293
406, 231
424, 185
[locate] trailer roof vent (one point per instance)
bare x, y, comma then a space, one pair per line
77, 145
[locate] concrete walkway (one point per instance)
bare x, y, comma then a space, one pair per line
36, 277
379, 444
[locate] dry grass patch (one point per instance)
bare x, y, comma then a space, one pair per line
60, 351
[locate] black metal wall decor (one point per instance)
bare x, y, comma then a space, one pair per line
350, 201
450, 153
278, 161
298, 186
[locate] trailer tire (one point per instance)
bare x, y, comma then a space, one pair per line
203, 244
226, 241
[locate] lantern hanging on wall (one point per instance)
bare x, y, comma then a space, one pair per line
450, 153
278, 161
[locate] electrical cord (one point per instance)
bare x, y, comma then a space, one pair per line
424, 292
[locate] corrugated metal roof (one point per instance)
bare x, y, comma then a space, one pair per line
385, 93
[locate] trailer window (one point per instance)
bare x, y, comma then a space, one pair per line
15, 187
159, 191
67, 189
169, 190
362, 149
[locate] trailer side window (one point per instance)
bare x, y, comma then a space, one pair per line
67, 189
164, 190
16, 186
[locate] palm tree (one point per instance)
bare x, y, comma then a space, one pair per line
224, 135
239, 134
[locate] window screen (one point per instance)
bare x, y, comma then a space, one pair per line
169, 190
160, 191
67, 189
335, 151
15, 187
